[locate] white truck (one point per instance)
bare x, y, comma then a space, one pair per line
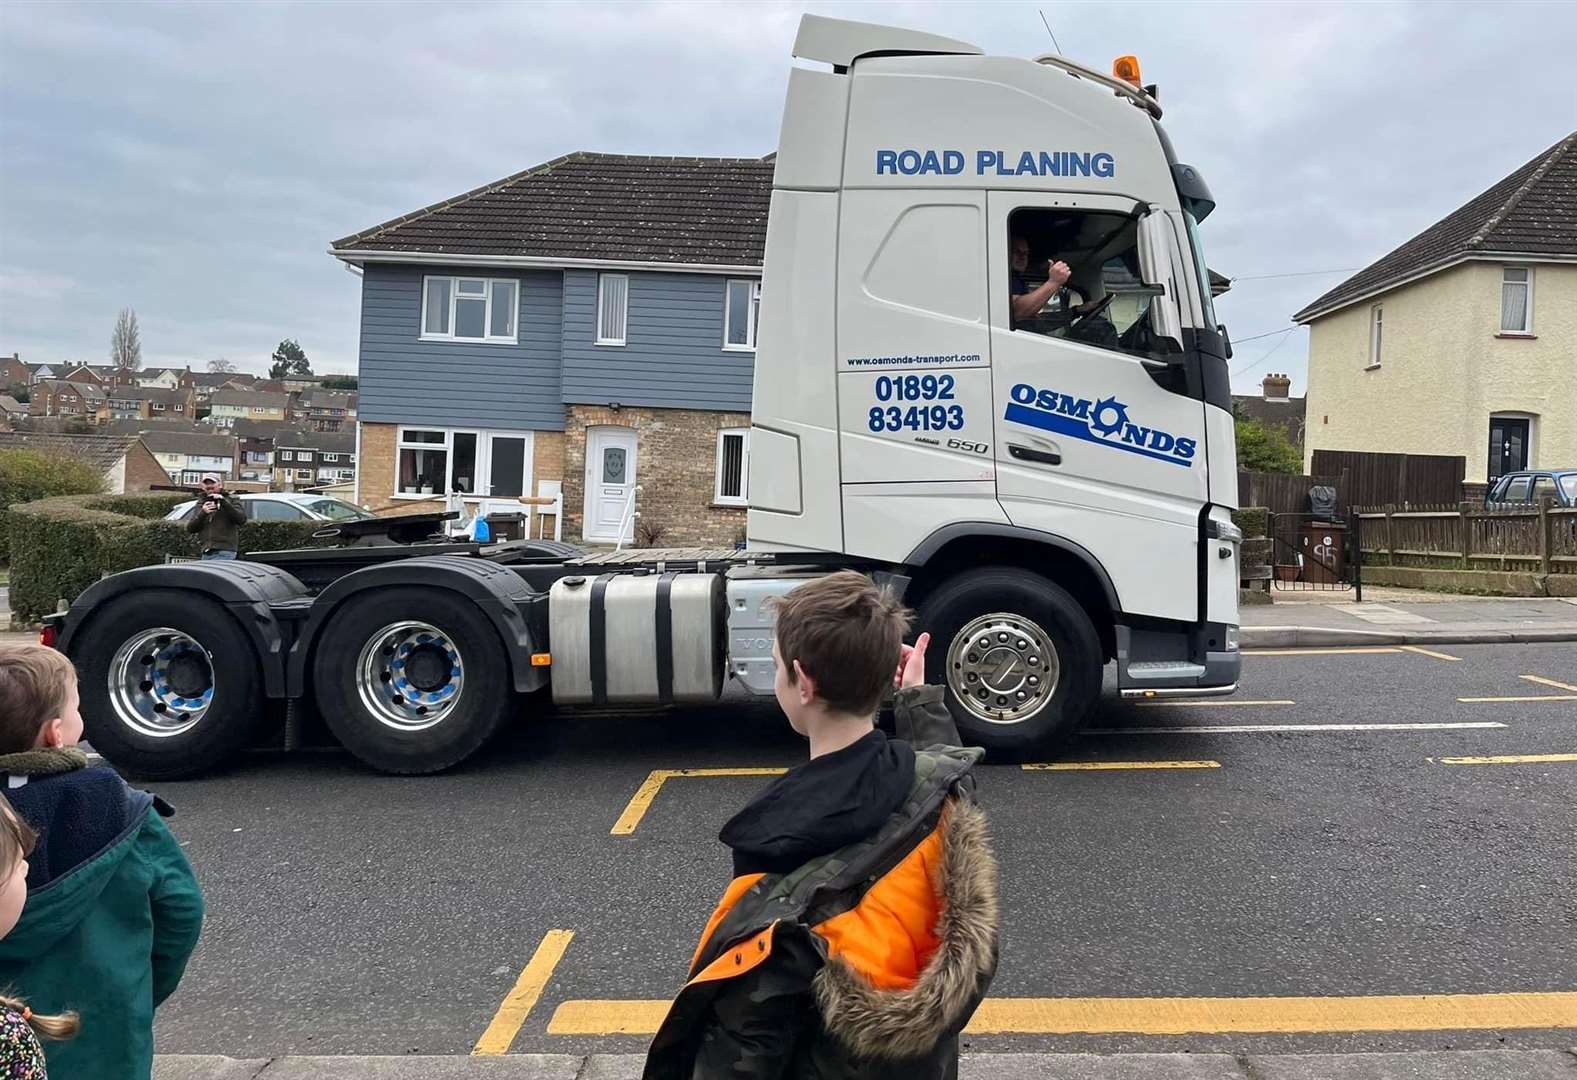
1049, 484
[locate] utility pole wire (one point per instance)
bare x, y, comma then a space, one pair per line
1049, 31
1261, 360
1304, 273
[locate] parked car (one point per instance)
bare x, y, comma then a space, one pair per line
285, 506
1533, 486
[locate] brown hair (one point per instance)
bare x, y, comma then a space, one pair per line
33, 686
16, 843
845, 633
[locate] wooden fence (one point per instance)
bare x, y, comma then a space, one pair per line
1284, 493
1533, 539
1393, 479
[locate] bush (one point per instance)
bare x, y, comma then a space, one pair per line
60, 546
1264, 449
29, 475
1253, 520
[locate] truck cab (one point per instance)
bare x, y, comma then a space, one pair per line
905, 412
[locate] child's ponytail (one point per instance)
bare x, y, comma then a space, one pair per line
58, 1026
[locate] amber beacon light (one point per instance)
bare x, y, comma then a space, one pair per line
1126, 68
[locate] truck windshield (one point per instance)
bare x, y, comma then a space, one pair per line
1200, 269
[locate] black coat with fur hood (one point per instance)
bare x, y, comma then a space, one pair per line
864, 961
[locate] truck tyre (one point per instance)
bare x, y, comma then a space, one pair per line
1019, 657
412, 680
170, 685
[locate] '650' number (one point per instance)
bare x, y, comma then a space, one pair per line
916, 418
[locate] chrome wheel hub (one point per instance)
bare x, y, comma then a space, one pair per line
161, 682
1002, 668
409, 676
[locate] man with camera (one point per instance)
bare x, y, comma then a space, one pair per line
218, 519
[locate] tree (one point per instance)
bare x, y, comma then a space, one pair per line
126, 341
1264, 449
340, 382
21, 391
289, 359
221, 366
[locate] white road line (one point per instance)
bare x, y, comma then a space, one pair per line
1246, 729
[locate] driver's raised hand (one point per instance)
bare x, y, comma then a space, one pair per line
1058, 273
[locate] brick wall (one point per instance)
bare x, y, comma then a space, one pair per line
375, 466
143, 469
676, 468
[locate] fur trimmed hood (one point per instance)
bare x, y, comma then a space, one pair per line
906, 1023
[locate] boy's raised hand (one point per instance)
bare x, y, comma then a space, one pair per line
911, 663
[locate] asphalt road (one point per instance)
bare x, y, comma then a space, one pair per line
356, 913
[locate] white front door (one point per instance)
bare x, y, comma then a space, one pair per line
610, 483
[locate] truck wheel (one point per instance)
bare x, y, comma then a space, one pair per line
169, 683
1018, 655
412, 680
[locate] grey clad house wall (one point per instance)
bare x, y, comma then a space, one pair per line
673, 356
405, 380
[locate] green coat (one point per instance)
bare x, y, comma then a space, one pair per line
220, 530
109, 940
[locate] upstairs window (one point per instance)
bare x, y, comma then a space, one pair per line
733, 467
613, 301
741, 308
1516, 300
1376, 333
469, 309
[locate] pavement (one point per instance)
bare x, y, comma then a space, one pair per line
1359, 866
1446, 1065
1391, 616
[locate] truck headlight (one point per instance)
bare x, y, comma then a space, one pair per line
1232, 639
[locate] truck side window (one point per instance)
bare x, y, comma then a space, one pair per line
1105, 301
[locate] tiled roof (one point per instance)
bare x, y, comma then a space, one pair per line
333, 442
9, 404
1532, 212
249, 398
145, 393
186, 442
88, 391
1284, 413
100, 451
609, 207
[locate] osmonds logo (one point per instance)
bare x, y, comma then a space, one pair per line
1104, 422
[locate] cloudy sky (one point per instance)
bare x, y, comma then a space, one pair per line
194, 161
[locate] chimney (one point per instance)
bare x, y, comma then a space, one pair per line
1276, 387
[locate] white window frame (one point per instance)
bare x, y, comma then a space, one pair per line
624, 316
329, 457
488, 338
1376, 335
755, 313
287, 455
483, 481
1526, 330
743, 498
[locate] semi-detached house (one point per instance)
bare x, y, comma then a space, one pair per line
588, 323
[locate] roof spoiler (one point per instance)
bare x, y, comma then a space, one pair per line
840, 42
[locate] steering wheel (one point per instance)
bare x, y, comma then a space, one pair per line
1100, 305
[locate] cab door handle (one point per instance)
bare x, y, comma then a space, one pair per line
1025, 453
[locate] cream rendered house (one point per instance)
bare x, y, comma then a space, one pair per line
1464, 339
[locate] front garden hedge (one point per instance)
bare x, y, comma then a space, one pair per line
29, 475
60, 546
